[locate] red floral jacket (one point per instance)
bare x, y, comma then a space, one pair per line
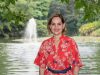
59, 58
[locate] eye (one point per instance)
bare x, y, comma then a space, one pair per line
59, 24
52, 24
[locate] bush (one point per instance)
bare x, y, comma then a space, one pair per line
96, 32
88, 28
42, 28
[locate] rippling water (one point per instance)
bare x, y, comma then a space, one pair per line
17, 58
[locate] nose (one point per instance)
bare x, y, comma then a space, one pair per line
56, 25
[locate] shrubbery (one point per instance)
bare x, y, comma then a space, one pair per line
42, 28
88, 28
96, 32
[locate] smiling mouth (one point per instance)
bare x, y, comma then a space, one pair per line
56, 30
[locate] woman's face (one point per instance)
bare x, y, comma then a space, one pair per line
56, 26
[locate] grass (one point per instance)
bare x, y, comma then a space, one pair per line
79, 39
86, 39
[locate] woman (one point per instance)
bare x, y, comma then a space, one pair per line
59, 54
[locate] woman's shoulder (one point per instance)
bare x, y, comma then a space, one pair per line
47, 40
68, 38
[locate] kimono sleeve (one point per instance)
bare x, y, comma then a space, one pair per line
40, 58
77, 59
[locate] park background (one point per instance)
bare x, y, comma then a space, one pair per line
82, 23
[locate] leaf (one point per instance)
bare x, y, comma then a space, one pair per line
79, 4
67, 1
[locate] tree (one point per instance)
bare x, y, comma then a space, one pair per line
90, 8
13, 16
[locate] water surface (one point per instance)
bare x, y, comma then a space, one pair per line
16, 58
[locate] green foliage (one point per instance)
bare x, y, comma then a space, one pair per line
96, 33
4, 3
15, 13
72, 28
42, 28
86, 29
90, 8
11, 18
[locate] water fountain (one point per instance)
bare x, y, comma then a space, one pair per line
30, 31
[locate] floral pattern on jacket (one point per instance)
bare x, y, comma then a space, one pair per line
59, 58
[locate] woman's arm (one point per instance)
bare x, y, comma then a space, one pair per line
77, 63
76, 70
41, 71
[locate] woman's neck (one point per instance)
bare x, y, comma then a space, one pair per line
57, 37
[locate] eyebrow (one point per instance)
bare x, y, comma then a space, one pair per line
57, 22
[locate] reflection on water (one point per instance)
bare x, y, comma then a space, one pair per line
90, 54
17, 58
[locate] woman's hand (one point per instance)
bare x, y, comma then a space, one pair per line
41, 71
76, 70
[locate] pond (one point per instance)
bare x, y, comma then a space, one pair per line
16, 58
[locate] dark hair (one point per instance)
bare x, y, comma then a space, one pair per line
50, 20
